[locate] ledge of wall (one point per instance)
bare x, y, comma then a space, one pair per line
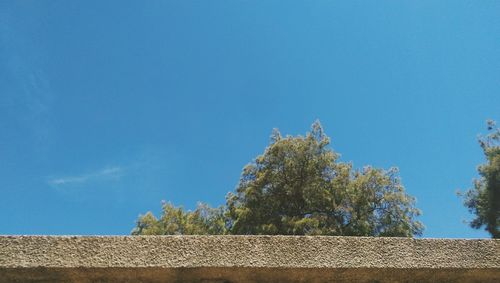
246, 259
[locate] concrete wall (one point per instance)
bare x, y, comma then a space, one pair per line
246, 259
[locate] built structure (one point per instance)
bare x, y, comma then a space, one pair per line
246, 259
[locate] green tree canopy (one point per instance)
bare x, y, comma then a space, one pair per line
299, 187
483, 199
204, 220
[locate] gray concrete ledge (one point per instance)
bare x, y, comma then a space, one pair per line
246, 259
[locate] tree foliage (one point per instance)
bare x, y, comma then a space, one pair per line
483, 199
204, 220
298, 186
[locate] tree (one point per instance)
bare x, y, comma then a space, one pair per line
298, 187
204, 220
483, 199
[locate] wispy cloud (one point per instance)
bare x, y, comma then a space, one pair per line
27, 95
107, 173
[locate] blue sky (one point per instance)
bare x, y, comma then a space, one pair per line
107, 108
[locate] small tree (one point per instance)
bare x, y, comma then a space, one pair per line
204, 220
483, 199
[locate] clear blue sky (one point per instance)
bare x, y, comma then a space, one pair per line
107, 108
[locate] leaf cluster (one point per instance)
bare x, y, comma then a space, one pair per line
483, 199
204, 220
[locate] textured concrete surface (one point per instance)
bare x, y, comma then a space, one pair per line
246, 259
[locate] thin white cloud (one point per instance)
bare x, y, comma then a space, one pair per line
107, 173
68, 180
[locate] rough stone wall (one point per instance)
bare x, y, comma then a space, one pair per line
246, 259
